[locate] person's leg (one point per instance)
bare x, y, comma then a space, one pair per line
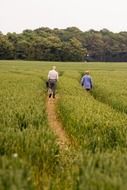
54, 89
50, 89
47, 84
49, 92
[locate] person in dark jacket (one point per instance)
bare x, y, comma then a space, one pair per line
86, 81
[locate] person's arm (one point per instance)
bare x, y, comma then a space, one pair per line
91, 83
82, 81
57, 76
49, 75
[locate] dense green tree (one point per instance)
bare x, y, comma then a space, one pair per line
70, 44
72, 50
6, 48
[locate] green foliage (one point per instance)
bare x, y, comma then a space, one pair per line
23, 123
95, 125
15, 174
30, 157
112, 89
70, 44
6, 48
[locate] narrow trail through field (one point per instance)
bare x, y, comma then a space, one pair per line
55, 124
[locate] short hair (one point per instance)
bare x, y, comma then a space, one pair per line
54, 67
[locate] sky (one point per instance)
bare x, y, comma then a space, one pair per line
18, 15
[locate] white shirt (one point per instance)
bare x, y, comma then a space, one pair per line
53, 75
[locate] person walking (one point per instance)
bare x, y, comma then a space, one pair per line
52, 81
86, 81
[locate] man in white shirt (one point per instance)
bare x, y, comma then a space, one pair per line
52, 79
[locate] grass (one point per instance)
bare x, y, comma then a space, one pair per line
96, 121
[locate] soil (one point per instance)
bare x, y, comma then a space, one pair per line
55, 124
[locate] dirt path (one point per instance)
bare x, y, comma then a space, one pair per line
56, 125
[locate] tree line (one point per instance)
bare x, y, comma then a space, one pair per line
70, 44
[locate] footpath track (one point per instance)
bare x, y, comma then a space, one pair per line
56, 125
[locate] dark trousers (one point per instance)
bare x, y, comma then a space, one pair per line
52, 86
